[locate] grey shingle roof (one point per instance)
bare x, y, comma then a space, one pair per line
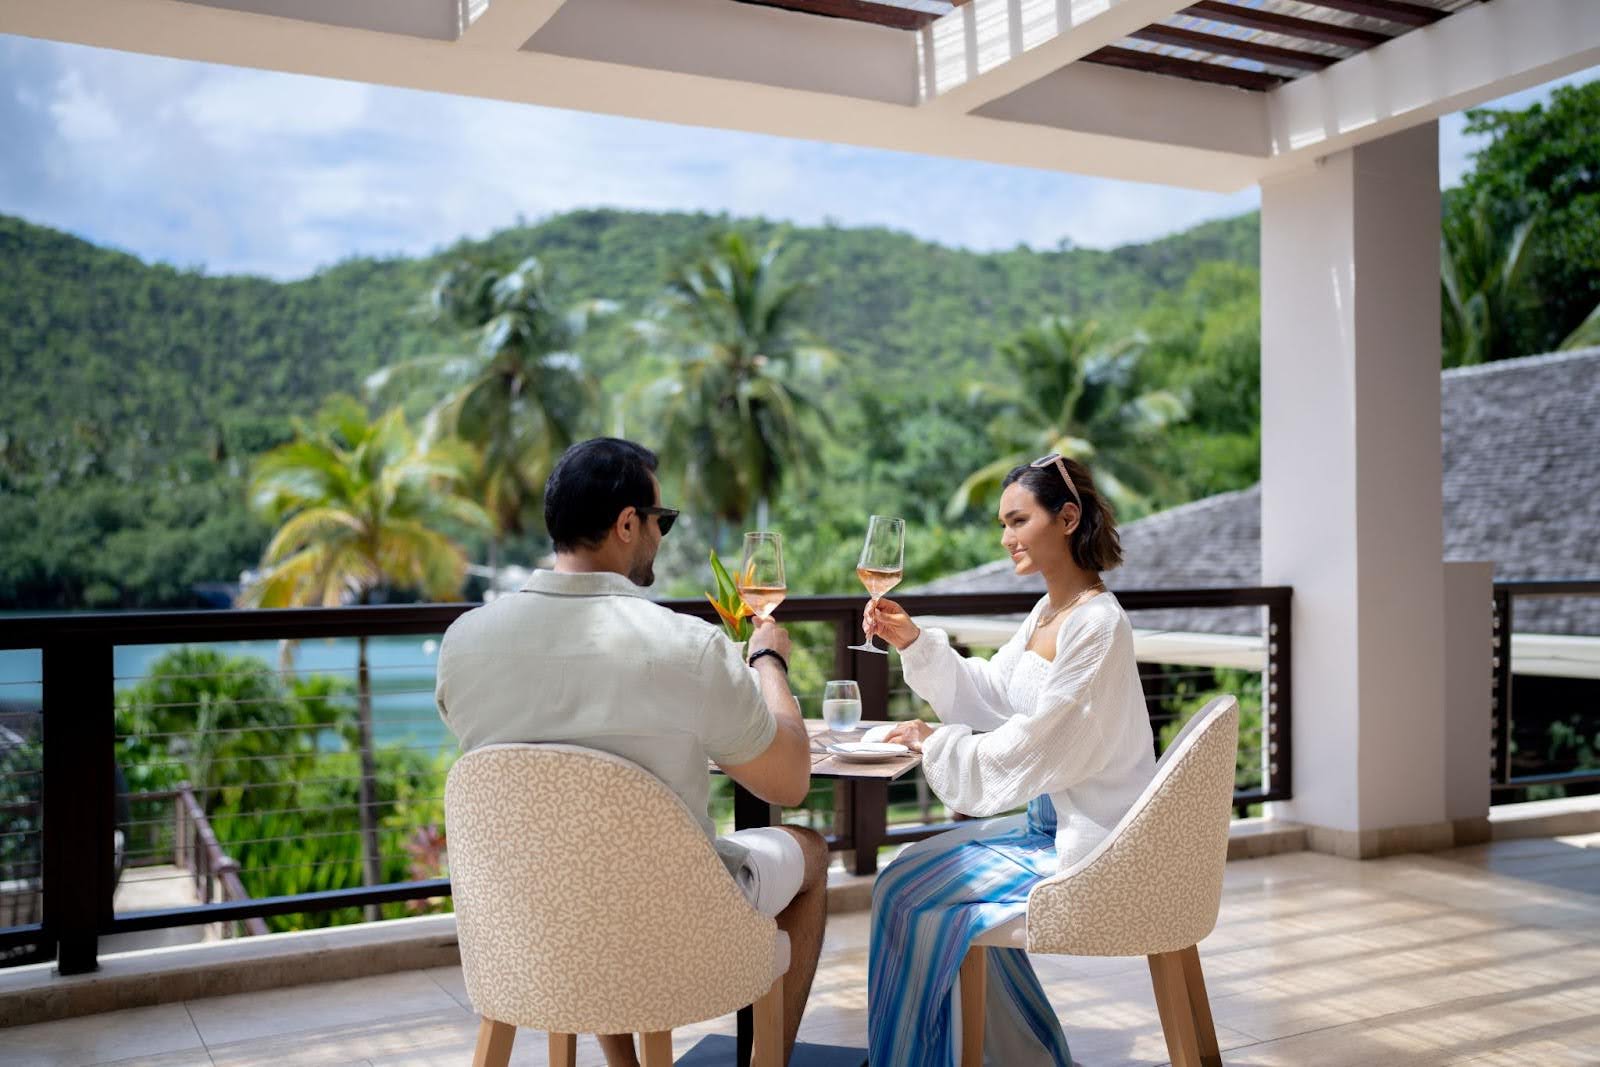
1521, 464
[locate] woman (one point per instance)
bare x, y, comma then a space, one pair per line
1055, 721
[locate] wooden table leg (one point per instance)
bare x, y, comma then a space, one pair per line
869, 821
750, 811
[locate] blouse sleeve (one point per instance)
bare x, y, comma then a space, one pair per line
1053, 746
963, 689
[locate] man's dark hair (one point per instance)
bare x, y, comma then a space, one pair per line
592, 483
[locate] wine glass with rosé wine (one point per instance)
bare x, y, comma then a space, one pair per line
882, 563
761, 583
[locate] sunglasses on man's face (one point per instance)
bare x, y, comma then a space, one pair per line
665, 517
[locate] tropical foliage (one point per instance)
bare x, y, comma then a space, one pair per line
738, 406
273, 763
360, 507
1540, 165
1070, 390
138, 397
520, 396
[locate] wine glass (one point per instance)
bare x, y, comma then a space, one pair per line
761, 583
882, 563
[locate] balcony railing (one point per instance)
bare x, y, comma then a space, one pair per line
1520, 756
85, 664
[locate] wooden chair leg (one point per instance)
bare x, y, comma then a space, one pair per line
494, 1044
768, 1048
1194, 982
657, 1048
974, 995
1177, 1017
563, 1050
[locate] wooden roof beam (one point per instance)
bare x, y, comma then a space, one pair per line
1388, 10
891, 15
1192, 69
1272, 22
1233, 46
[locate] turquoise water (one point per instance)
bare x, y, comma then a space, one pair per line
403, 711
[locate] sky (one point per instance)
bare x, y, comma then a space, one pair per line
243, 171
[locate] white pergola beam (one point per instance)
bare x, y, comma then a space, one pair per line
213, 35
1092, 98
506, 25
764, 70
1475, 55
987, 49
747, 43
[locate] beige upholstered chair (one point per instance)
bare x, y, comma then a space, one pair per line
1151, 888
589, 901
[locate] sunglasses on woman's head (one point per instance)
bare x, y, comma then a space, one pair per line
1055, 457
665, 517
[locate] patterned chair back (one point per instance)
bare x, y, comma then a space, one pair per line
588, 899
1155, 883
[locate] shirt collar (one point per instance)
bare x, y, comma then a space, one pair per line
597, 583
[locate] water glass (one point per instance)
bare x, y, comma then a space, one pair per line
841, 706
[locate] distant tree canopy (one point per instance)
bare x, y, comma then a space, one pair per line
137, 396
1541, 169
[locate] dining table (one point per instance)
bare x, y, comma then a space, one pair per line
864, 818
864, 826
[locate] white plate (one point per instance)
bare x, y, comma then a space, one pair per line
868, 751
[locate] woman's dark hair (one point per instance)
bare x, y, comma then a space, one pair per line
592, 483
1094, 544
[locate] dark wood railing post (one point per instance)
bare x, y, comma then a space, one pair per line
869, 799
1500, 771
1277, 700
79, 797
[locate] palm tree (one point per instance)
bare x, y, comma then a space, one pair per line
359, 507
1586, 334
520, 396
736, 405
1482, 279
1074, 395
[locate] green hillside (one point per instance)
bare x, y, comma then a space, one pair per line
135, 393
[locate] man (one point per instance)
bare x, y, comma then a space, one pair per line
580, 656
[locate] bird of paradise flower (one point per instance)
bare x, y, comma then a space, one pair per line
731, 608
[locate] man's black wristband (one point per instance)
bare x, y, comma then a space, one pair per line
774, 654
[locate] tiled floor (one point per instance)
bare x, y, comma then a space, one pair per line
1483, 956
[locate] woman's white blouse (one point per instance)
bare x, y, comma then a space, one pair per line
1085, 738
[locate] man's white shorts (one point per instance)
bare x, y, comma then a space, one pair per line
772, 868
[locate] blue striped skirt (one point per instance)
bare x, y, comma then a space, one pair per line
927, 907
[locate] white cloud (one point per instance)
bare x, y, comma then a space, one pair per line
239, 107
244, 170
82, 113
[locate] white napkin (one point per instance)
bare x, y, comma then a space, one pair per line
878, 733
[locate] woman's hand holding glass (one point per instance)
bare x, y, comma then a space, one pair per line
889, 620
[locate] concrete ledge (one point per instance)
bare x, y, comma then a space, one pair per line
1389, 841
137, 979
1545, 818
1250, 839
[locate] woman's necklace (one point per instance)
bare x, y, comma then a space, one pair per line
1093, 589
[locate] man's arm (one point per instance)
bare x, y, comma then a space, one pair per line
782, 773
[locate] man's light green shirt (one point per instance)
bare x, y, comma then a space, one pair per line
586, 659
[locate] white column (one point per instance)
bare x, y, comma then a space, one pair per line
1351, 495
